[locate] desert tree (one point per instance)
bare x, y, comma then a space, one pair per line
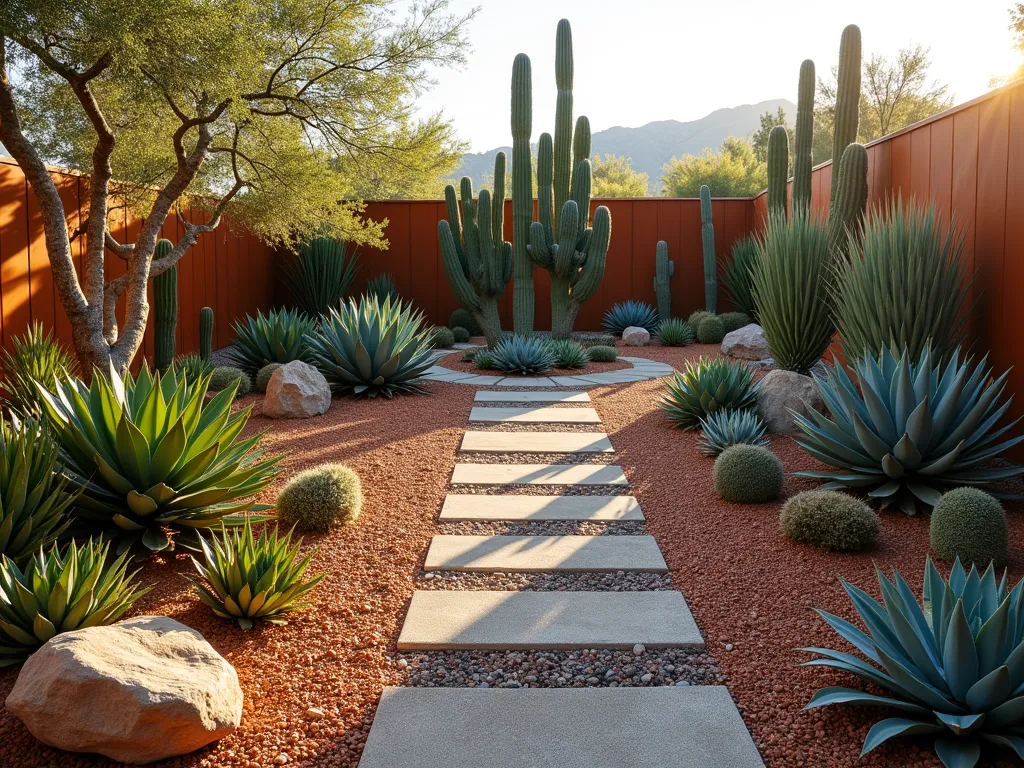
614, 177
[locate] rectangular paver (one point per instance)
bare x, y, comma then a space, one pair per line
526, 381
474, 506
536, 415
658, 727
538, 474
531, 554
507, 620
491, 396
537, 442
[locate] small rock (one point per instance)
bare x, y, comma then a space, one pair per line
638, 649
402, 663
646, 678
281, 759
728, 646
746, 343
297, 390
316, 713
634, 336
780, 394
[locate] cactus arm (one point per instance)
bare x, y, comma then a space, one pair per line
544, 202
451, 203
460, 284
488, 275
847, 213
568, 235
541, 251
847, 100
522, 194
588, 279
802, 163
581, 185
498, 211
707, 236
506, 263
662, 273
778, 170
581, 140
563, 115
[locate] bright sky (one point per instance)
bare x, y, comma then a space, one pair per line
644, 60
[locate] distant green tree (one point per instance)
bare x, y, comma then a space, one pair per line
1017, 27
733, 171
759, 138
614, 177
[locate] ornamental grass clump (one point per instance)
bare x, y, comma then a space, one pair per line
35, 357
628, 314
748, 474
952, 666
738, 276
60, 591
722, 429
602, 354
321, 275
523, 354
711, 330
829, 520
277, 337
249, 579
705, 387
907, 430
569, 354
969, 524
675, 332
317, 498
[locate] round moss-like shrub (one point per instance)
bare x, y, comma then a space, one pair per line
711, 330
970, 524
463, 318
733, 321
225, 376
695, 319
748, 474
460, 334
442, 338
602, 354
317, 498
263, 377
830, 520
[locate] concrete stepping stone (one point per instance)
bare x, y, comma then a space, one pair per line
538, 474
526, 381
537, 442
473, 506
478, 620
531, 554
535, 415
658, 727
491, 396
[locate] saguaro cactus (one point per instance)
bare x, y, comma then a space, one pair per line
663, 269
778, 170
707, 237
206, 333
475, 258
851, 198
847, 100
522, 194
165, 309
802, 163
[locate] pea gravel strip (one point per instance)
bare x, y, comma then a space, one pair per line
542, 528
545, 582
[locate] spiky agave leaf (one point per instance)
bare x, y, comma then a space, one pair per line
321, 275
568, 353
630, 313
191, 366
906, 431
953, 665
675, 332
724, 428
705, 387
278, 337
156, 461
522, 354
35, 357
249, 579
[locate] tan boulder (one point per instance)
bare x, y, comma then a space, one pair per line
783, 393
296, 390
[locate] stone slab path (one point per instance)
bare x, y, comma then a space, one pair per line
538, 474
643, 369
598, 508
663, 727
539, 415
561, 396
537, 442
535, 554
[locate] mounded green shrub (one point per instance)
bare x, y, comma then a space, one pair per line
263, 377
675, 332
601, 354
830, 520
748, 474
442, 338
460, 334
711, 330
317, 498
463, 318
224, 376
733, 321
970, 524
694, 320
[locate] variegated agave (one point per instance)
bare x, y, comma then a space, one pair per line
954, 664
906, 431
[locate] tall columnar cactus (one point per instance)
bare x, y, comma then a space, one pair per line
851, 198
847, 100
206, 333
522, 194
778, 170
563, 160
802, 163
707, 237
165, 309
663, 269
475, 258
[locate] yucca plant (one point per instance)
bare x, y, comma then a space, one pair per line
372, 347
249, 579
630, 313
954, 663
675, 332
36, 356
724, 428
191, 367
791, 290
321, 275
705, 387
522, 354
738, 276
34, 497
156, 461
906, 431
60, 592
569, 353
383, 287
280, 336
904, 284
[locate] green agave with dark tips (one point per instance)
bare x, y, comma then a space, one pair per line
280, 336
705, 387
722, 429
953, 664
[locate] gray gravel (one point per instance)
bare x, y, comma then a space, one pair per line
620, 581
526, 427
477, 457
542, 528
543, 490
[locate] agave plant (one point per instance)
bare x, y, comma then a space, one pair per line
250, 579
905, 431
372, 347
280, 336
738, 276
191, 367
705, 387
34, 498
522, 354
321, 275
630, 313
36, 356
156, 461
953, 664
382, 286
568, 353
675, 332
724, 428
59, 592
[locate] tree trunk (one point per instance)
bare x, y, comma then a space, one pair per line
489, 320
563, 309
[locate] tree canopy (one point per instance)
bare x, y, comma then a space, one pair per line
759, 138
733, 171
613, 176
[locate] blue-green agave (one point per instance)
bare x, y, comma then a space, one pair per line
953, 664
724, 428
523, 354
706, 387
280, 336
631, 313
906, 431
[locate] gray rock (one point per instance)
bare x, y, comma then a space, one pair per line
142, 690
634, 336
780, 393
762, 365
746, 343
297, 390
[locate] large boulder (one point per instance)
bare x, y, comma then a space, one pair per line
746, 343
141, 690
783, 392
635, 336
297, 390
